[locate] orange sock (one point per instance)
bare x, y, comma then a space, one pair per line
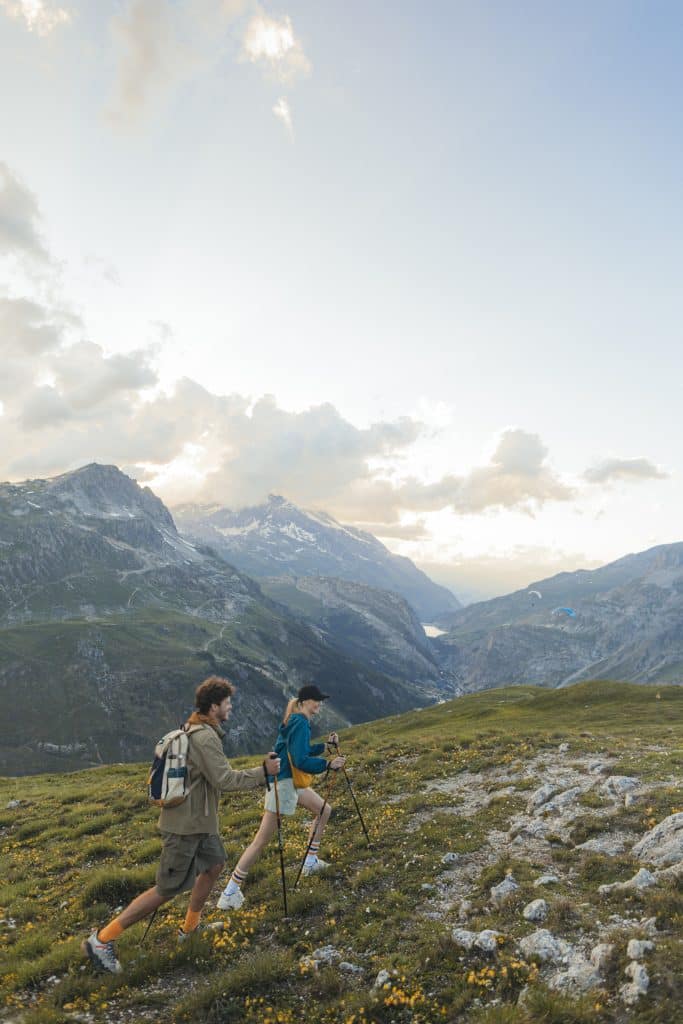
110, 931
192, 919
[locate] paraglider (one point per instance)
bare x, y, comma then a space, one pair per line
564, 611
535, 593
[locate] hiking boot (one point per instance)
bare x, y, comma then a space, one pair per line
232, 901
102, 954
317, 865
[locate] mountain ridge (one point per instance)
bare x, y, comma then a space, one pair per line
278, 538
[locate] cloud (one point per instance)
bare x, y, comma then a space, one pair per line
629, 470
39, 16
272, 43
162, 44
283, 113
19, 218
517, 476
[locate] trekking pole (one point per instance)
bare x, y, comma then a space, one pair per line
280, 846
315, 828
149, 925
353, 797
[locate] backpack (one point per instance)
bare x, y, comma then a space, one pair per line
168, 782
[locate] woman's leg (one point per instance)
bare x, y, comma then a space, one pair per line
309, 799
231, 897
266, 831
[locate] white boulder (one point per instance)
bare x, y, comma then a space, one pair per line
638, 986
542, 945
537, 910
637, 948
662, 845
500, 892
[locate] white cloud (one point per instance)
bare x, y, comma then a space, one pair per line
272, 43
162, 44
19, 217
283, 113
628, 470
517, 476
39, 16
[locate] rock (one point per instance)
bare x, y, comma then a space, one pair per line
662, 845
326, 955
637, 948
619, 785
608, 844
500, 892
449, 858
463, 937
537, 910
464, 909
427, 887
546, 880
638, 986
643, 879
561, 801
580, 976
12, 804
542, 945
601, 955
563, 748
540, 797
350, 968
596, 767
487, 940
630, 799
382, 979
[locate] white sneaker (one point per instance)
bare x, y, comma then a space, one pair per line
102, 954
317, 865
230, 901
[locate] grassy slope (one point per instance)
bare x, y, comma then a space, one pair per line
82, 844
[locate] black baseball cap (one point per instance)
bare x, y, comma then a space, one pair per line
311, 692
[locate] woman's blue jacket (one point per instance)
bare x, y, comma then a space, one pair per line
294, 739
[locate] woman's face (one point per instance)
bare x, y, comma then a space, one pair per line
310, 707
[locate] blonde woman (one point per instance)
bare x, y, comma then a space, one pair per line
294, 749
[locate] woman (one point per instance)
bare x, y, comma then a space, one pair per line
294, 748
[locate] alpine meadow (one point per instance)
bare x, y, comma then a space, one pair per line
341, 478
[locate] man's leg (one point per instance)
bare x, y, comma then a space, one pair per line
100, 946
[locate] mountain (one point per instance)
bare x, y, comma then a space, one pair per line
109, 618
624, 620
526, 869
375, 627
279, 539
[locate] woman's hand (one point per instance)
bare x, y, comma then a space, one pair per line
333, 739
336, 763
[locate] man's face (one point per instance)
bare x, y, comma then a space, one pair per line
224, 708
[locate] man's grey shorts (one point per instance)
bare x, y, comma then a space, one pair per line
185, 857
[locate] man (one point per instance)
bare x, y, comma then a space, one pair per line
193, 855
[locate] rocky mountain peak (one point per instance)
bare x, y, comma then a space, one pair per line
104, 491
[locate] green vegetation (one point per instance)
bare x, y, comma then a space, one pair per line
80, 845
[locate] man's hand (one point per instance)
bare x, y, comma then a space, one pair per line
336, 763
272, 763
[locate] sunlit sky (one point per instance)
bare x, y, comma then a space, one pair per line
416, 264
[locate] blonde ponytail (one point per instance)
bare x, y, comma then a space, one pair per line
289, 709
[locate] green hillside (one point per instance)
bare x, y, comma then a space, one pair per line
451, 779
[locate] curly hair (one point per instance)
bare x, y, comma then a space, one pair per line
213, 690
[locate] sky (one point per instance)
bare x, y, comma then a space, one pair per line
416, 264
